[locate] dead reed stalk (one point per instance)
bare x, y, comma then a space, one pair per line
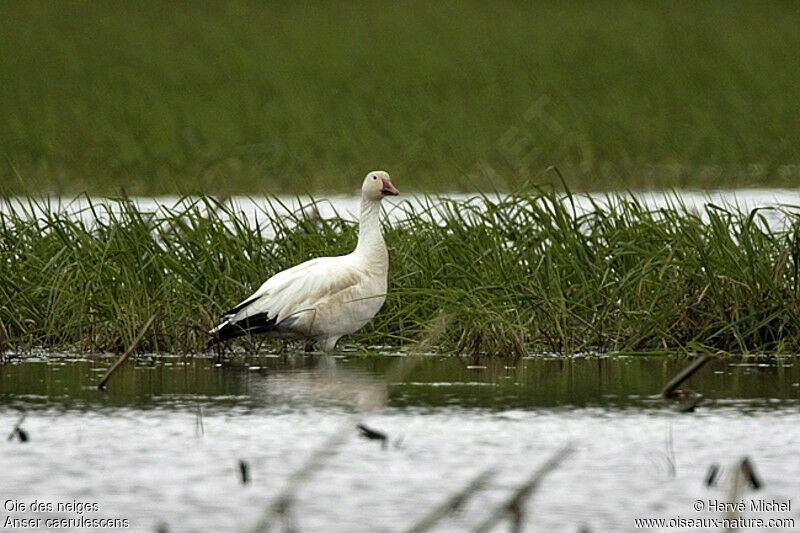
513, 507
683, 375
123, 357
455, 502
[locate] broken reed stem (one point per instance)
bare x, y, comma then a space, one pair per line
16, 429
373, 434
123, 357
743, 474
244, 471
282, 504
685, 374
735, 491
513, 506
750, 473
452, 504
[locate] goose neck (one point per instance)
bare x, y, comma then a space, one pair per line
370, 240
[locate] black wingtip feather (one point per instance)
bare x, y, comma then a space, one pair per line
251, 325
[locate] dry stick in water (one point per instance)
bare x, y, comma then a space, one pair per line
711, 475
18, 432
452, 504
373, 434
123, 357
513, 506
244, 471
685, 374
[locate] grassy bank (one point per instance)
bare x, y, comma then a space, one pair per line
499, 277
254, 98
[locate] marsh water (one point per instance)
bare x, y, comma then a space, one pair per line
257, 210
161, 447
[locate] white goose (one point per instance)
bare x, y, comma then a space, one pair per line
325, 298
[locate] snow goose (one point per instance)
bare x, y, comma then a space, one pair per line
325, 298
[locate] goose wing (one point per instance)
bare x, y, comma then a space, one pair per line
288, 294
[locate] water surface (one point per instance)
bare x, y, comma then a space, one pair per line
161, 447
258, 210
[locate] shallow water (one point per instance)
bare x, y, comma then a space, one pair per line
161, 446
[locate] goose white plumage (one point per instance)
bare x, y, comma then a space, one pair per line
325, 298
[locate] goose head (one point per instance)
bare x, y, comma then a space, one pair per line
376, 185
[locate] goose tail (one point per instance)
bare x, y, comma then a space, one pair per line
253, 324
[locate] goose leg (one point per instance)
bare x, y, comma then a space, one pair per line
330, 343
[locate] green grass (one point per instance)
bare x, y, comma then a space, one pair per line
250, 97
498, 277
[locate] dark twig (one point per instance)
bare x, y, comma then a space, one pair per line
711, 475
373, 434
244, 471
452, 504
123, 357
686, 373
513, 507
18, 432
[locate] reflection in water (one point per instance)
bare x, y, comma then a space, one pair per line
431, 382
163, 444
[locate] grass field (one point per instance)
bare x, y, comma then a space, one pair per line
250, 97
496, 277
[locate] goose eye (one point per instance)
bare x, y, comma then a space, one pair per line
374, 177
